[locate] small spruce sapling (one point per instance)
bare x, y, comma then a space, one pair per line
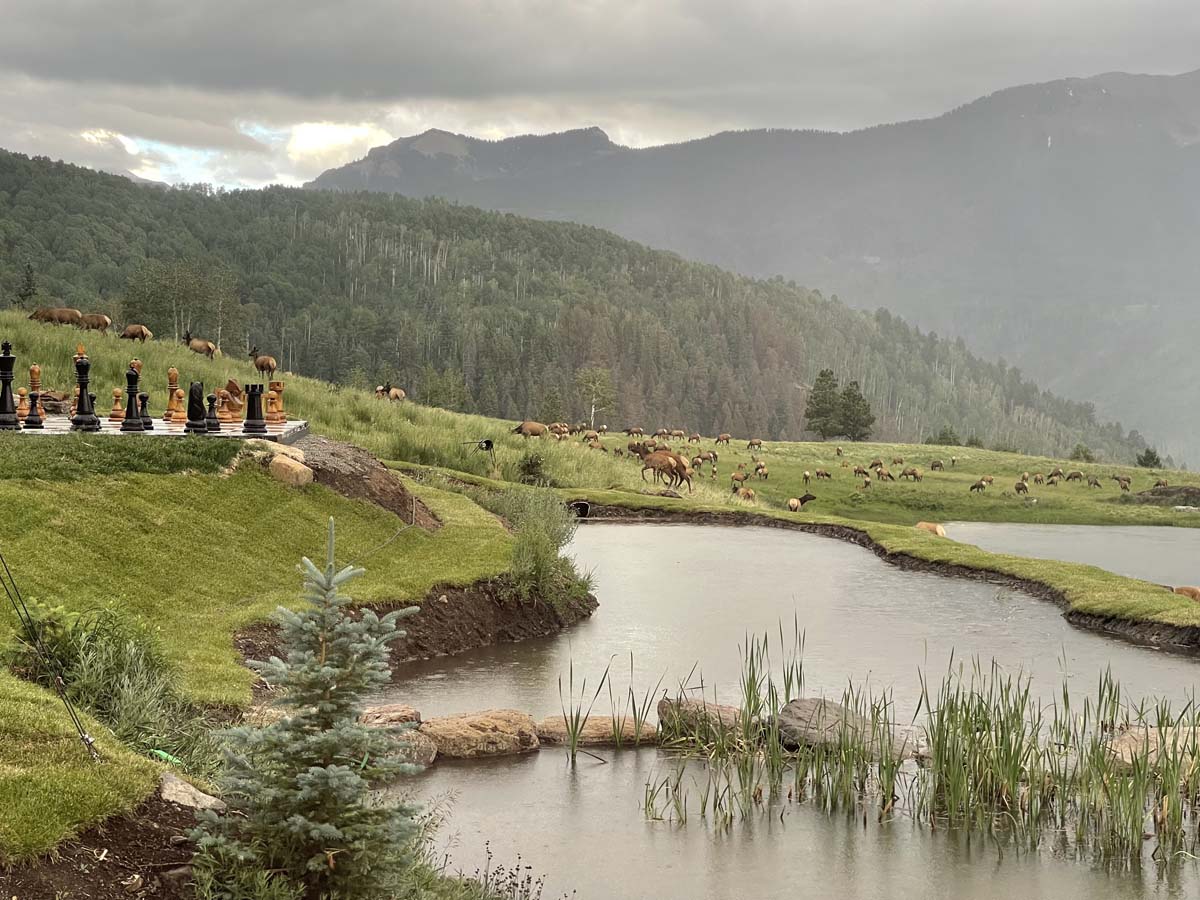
302, 791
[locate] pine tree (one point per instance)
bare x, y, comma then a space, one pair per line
300, 790
823, 411
28, 289
1149, 459
857, 420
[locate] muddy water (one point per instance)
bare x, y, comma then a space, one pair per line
678, 596
1162, 555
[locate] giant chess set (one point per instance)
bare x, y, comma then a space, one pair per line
252, 411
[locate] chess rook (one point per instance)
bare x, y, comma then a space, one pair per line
255, 423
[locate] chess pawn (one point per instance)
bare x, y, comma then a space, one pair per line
212, 422
272, 408
277, 387
22, 404
118, 408
34, 418
179, 415
144, 411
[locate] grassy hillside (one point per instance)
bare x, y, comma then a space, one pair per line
482, 312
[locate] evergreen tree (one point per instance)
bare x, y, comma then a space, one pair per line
1148, 459
28, 289
857, 420
300, 790
823, 412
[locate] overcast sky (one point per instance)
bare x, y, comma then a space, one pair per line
246, 92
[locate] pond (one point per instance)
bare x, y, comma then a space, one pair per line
679, 597
1161, 555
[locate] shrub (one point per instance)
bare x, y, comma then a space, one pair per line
115, 670
1148, 459
1081, 453
300, 790
947, 437
532, 469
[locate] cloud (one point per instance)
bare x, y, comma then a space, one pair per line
278, 89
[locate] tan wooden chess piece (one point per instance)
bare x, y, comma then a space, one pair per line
22, 404
136, 365
35, 386
179, 416
172, 387
224, 413
236, 403
275, 413
118, 410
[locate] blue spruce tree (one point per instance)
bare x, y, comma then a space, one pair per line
304, 816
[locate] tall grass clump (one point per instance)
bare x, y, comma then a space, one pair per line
114, 669
542, 528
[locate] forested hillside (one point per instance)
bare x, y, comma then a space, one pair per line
1056, 225
492, 313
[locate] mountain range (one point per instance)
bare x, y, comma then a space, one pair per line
1055, 226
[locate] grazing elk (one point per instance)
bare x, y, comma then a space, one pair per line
199, 345
265, 365
861, 472
1057, 473
57, 315
1039, 478
746, 494
529, 428
884, 475
755, 444
897, 460
838, 451
589, 436
987, 479
876, 463
1052, 481
1021, 487
937, 466
1187, 591
633, 432
95, 322
136, 333
763, 473
385, 391
822, 473
933, 528
866, 485
736, 478
979, 486
795, 504
1093, 481
724, 438
912, 473
1162, 482
694, 438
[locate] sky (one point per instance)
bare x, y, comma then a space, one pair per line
252, 92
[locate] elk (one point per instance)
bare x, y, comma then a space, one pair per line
136, 333
1162, 482
838, 451
1021, 487
763, 473
979, 486
897, 460
866, 485
754, 444
724, 438
95, 322
385, 391
596, 445
264, 364
1052, 481
633, 432
589, 436
57, 315
1093, 481
1186, 591
1057, 473
1039, 478
603, 429
933, 528
937, 466
884, 475
737, 478
199, 345
912, 473
876, 463
529, 428
861, 472
1075, 476
681, 435
795, 504
746, 494
987, 479
822, 473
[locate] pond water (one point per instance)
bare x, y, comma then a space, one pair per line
1161, 555
679, 597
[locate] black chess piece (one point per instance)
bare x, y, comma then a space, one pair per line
133, 415
8, 406
85, 418
254, 423
34, 419
210, 420
144, 402
195, 409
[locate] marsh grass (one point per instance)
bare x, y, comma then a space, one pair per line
1098, 778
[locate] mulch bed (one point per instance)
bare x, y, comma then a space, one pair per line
143, 854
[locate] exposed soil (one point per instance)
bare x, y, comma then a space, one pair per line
450, 620
355, 473
144, 854
1178, 638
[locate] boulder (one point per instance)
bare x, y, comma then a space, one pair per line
493, 732
294, 474
275, 448
597, 732
686, 716
1130, 743
415, 747
389, 714
815, 722
175, 790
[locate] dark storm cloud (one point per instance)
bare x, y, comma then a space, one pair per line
194, 74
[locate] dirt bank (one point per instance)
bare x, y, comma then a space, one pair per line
143, 854
1168, 637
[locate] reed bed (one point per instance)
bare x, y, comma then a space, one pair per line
1095, 777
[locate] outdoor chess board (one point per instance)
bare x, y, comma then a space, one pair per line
285, 433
